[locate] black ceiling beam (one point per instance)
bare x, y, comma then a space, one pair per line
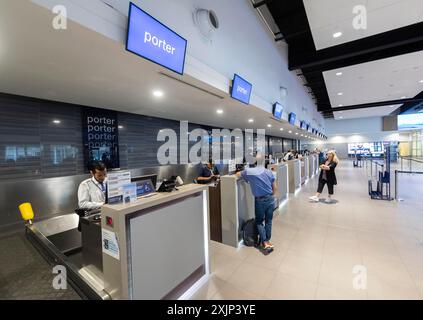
261, 3
411, 105
395, 42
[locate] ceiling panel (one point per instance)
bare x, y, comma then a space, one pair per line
327, 17
365, 113
381, 80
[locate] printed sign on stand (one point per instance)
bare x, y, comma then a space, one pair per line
115, 184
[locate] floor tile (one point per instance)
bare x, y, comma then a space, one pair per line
286, 287
252, 278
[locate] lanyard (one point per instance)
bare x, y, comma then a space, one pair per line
99, 187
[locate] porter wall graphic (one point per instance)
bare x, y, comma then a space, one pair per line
101, 142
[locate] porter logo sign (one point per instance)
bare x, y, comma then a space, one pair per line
241, 89
100, 136
153, 41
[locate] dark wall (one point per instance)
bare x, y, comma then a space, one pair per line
32, 146
42, 162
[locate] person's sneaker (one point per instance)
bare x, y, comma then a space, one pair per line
314, 198
328, 200
267, 245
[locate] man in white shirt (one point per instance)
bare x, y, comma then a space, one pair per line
92, 192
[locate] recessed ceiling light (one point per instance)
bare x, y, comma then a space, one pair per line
219, 111
290, 131
296, 133
121, 127
251, 120
281, 129
269, 125
337, 34
302, 135
339, 74
340, 93
421, 81
158, 93
57, 121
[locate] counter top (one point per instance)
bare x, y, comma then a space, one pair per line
157, 199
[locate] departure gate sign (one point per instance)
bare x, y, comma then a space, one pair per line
152, 40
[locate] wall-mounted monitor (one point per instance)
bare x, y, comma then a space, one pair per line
277, 110
152, 40
373, 148
292, 118
241, 89
412, 121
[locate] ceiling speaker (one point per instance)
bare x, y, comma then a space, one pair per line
206, 21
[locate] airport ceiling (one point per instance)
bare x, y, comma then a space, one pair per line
38, 61
350, 71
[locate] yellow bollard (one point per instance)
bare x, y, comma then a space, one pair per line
26, 212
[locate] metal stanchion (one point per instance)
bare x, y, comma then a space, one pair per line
396, 185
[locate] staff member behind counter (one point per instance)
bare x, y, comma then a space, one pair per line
92, 192
208, 173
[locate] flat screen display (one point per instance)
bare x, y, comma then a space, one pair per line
152, 40
374, 148
410, 121
144, 187
277, 110
292, 118
241, 89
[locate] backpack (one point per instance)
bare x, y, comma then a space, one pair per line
249, 233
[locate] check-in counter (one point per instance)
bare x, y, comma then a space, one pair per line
316, 164
294, 175
305, 169
237, 205
157, 247
281, 171
215, 211
311, 165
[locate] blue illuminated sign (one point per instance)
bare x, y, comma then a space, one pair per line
152, 40
241, 89
412, 121
277, 110
292, 118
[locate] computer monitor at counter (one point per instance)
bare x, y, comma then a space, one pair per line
152, 177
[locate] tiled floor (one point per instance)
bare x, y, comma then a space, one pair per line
323, 250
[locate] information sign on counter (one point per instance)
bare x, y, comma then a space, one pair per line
115, 184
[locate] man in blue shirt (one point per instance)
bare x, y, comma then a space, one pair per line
208, 173
263, 187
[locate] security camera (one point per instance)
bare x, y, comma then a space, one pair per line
206, 21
